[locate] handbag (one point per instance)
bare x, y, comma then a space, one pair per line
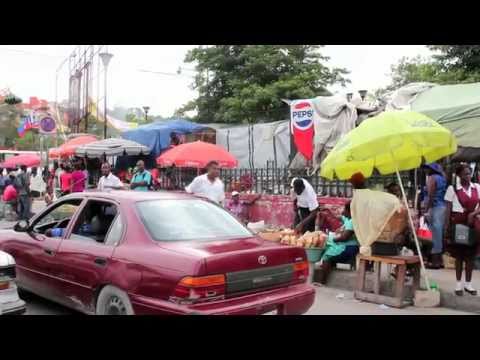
463, 235
424, 233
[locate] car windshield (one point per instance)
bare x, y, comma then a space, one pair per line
183, 220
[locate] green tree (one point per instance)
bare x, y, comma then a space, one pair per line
30, 141
453, 64
246, 83
458, 57
9, 121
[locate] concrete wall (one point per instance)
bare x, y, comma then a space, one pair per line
277, 210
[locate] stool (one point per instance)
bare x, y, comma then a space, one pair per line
402, 262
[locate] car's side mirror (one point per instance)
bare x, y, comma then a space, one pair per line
22, 226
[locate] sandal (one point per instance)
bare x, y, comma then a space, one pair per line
471, 292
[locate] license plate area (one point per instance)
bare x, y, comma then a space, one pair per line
247, 280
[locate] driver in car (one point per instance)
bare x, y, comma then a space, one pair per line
84, 230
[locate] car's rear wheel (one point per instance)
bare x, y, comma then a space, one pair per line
113, 301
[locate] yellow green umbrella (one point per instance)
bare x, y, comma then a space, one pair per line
390, 142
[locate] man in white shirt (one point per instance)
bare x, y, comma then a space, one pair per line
108, 181
37, 185
305, 205
208, 185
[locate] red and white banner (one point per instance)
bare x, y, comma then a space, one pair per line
301, 122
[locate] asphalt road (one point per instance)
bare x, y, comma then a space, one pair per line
328, 301
40, 306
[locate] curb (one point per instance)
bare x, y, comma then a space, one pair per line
346, 280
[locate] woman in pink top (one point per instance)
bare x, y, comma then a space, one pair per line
78, 179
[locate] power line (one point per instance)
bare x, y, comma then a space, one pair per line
165, 73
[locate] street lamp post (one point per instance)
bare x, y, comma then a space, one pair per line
363, 94
106, 57
146, 109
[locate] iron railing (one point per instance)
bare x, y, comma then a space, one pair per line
276, 181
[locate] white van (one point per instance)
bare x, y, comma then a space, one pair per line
10, 302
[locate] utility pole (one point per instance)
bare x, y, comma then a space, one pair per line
106, 57
146, 109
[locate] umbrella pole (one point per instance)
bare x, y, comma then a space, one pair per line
427, 282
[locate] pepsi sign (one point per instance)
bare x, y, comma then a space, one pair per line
302, 115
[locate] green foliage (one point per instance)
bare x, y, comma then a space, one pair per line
458, 57
12, 100
9, 122
29, 142
454, 64
245, 83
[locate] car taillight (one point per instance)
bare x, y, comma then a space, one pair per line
300, 271
195, 289
4, 285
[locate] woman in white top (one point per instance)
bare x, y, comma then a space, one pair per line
463, 208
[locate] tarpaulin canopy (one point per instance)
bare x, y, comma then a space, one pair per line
255, 145
456, 107
69, 147
333, 117
29, 160
197, 155
402, 98
112, 147
156, 136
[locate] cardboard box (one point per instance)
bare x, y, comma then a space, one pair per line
448, 261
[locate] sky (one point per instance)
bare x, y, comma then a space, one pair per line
30, 70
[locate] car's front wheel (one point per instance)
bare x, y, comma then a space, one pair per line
113, 301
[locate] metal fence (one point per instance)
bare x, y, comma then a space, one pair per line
276, 181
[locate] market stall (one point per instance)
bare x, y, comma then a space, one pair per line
111, 147
29, 160
390, 142
68, 148
156, 136
197, 155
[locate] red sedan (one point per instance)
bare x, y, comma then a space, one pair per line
154, 253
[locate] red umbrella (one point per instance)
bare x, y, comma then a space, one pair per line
29, 160
68, 149
197, 155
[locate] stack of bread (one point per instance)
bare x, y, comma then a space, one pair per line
316, 239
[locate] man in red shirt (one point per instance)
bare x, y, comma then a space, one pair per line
66, 181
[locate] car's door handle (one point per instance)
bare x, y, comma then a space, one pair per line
49, 252
100, 261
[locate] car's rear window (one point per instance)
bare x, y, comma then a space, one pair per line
184, 220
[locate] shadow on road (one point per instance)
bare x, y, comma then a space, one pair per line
37, 305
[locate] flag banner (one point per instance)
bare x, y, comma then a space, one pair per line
21, 128
301, 122
34, 120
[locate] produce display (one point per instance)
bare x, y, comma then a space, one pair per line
316, 239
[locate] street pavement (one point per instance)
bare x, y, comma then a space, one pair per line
328, 301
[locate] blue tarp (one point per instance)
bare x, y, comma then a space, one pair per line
156, 136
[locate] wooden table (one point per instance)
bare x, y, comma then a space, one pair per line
402, 263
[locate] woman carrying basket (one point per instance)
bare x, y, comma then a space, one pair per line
463, 199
